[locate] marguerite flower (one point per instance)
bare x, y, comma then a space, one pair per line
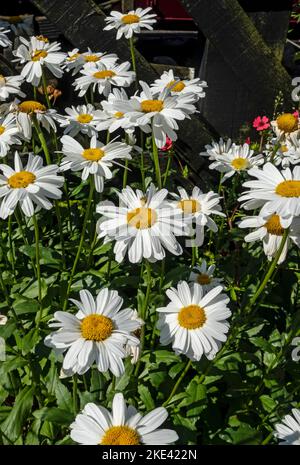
4, 40
8, 134
276, 191
82, 118
285, 124
217, 148
124, 426
27, 110
103, 78
143, 225
98, 333
239, 158
76, 61
19, 24
288, 152
10, 85
194, 323
203, 275
270, 231
289, 429
177, 86
37, 53
3, 320
130, 23
33, 185
157, 111
95, 160
111, 119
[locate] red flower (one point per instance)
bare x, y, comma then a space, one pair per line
248, 141
261, 123
168, 145
296, 114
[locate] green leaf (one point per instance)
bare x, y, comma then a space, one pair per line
23, 306
146, 397
63, 396
19, 413
54, 415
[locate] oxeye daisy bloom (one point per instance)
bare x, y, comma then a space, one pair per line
19, 24
8, 134
95, 160
111, 119
4, 40
239, 158
35, 54
203, 275
285, 124
289, 429
130, 23
159, 112
10, 85
179, 86
195, 323
31, 186
27, 110
270, 231
82, 118
217, 148
143, 225
198, 207
134, 350
98, 333
103, 78
76, 61
124, 426
288, 152
3, 320
274, 190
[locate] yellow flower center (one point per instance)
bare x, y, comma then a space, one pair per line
287, 122
284, 148
178, 87
21, 179
141, 218
152, 105
84, 118
119, 114
240, 163
42, 39
120, 436
38, 54
130, 19
2, 129
96, 327
93, 154
203, 279
30, 106
91, 58
105, 74
73, 57
2, 79
191, 317
288, 189
189, 206
273, 226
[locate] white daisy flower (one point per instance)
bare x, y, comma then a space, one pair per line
103, 78
111, 119
239, 158
33, 185
157, 111
95, 160
8, 134
76, 61
289, 429
217, 148
270, 231
98, 333
179, 86
83, 118
285, 125
35, 54
19, 24
273, 190
289, 151
27, 110
203, 275
3, 320
130, 23
10, 85
194, 323
134, 350
143, 225
198, 207
4, 40
124, 426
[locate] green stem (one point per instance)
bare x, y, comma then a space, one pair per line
45, 89
26, 242
11, 247
86, 218
166, 173
156, 161
143, 170
38, 267
75, 397
133, 61
176, 386
125, 174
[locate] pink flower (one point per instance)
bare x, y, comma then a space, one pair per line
261, 123
296, 114
168, 145
248, 140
